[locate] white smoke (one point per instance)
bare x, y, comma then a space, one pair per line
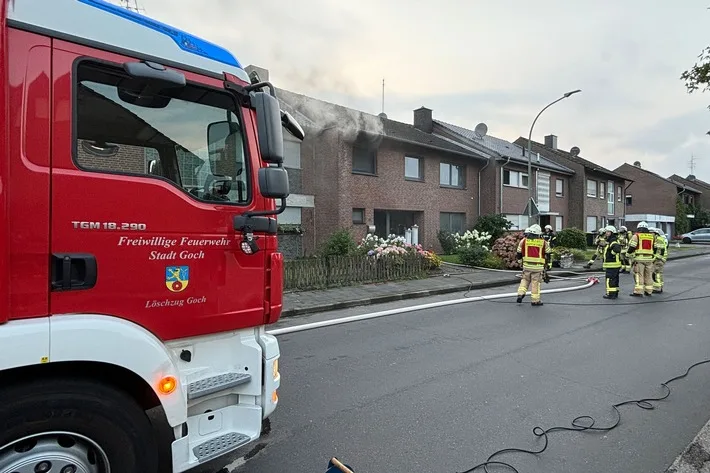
323, 115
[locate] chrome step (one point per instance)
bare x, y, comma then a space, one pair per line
213, 384
219, 446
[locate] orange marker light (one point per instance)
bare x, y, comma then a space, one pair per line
167, 385
274, 397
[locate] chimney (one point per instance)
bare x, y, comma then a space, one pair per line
551, 141
263, 73
423, 120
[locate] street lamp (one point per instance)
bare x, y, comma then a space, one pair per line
530, 196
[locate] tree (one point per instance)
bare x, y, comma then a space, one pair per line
681, 217
698, 77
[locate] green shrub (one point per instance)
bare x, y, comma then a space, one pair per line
493, 262
447, 240
340, 243
472, 255
495, 225
572, 238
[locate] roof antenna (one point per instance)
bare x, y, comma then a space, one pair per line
692, 164
383, 95
132, 5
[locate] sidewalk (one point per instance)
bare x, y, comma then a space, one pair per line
308, 302
696, 456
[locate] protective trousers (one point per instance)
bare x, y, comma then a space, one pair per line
658, 275
624, 261
643, 277
531, 278
612, 282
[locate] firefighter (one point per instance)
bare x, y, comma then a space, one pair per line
550, 236
659, 261
611, 262
599, 243
642, 251
534, 251
623, 239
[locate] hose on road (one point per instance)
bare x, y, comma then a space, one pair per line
431, 305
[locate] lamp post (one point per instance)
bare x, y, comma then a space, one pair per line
530, 195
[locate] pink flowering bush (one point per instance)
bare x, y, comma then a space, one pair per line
393, 247
506, 248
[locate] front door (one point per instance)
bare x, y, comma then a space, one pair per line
142, 207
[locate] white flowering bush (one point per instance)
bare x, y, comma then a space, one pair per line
473, 238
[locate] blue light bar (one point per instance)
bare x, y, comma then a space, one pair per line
185, 41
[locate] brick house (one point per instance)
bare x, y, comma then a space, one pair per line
652, 198
506, 178
699, 191
596, 194
365, 170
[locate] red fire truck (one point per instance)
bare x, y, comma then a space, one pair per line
140, 190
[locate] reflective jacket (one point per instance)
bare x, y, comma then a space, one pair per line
534, 253
612, 254
661, 248
642, 246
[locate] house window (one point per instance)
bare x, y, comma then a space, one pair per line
591, 188
413, 168
592, 224
559, 187
292, 154
515, 178
452, 222
358, 215
610, 198
290, 216
618, 193
451, 175
602, 190
558, 223
628, 200
520, 222
364, 160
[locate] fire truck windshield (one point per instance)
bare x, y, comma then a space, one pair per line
168, 141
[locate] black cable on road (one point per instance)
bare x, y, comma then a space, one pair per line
583, 423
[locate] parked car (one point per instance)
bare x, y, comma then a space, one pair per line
701, 235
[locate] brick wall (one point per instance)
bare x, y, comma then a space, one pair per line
128, 159
327, 166
649, 193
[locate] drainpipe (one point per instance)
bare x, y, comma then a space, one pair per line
488, 162
501, 183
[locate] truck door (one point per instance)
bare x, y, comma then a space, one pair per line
142, 204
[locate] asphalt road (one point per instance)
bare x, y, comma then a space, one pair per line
441, 389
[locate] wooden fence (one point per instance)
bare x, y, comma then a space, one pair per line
334, 271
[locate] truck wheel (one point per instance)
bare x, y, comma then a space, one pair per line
73, 426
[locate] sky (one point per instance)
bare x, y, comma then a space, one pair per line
498, 62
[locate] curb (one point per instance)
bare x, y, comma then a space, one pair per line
695, 458
435, 292
396, 297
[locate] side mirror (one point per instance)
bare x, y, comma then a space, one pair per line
269, 127
219, 131
292, 125
273, 182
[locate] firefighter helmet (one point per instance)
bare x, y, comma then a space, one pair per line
642, 225
535, 229
610, 228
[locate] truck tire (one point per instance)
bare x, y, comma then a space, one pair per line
78, 426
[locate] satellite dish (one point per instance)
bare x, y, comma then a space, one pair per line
382, 115
574, 151
481, 130
637, 164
